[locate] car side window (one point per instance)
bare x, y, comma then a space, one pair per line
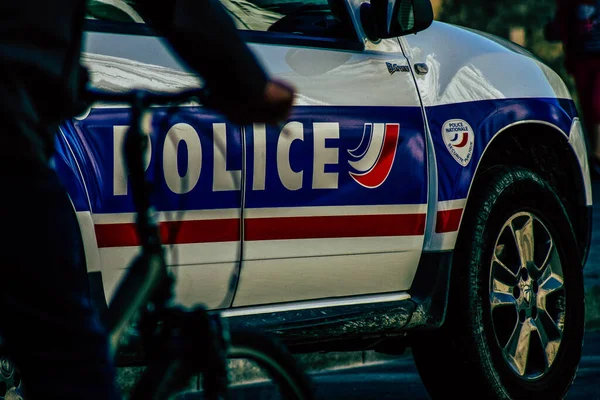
113, 10
328, 19
308, 18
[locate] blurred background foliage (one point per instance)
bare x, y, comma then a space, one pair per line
521, 21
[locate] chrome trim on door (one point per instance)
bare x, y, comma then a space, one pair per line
310, 304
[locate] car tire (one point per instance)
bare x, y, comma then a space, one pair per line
502, 293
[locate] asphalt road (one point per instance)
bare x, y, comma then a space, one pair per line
398, 379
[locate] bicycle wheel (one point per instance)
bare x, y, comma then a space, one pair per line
166, 378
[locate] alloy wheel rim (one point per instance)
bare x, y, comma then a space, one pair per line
527, 296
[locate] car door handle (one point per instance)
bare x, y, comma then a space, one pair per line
421, 68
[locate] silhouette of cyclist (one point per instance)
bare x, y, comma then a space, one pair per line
48, 324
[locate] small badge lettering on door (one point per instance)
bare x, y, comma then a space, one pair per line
396, 68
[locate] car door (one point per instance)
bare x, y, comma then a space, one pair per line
195, 162
335, 202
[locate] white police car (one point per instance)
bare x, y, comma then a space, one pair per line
431, 190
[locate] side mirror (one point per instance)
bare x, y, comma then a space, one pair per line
383, 19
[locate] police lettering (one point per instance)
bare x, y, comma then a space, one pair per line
225, 178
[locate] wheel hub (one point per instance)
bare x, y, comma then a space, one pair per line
526, 300
527, 296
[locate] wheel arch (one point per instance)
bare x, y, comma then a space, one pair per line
545, 149
541, 134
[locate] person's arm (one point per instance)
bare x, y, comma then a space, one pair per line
205, 37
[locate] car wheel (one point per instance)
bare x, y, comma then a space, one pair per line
515, 322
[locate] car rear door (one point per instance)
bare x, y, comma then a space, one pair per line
195, 162
335, 202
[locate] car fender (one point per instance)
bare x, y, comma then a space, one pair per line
490, 84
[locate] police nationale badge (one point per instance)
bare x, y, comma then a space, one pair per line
459, 139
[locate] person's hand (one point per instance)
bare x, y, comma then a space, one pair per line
279, 97
274, 107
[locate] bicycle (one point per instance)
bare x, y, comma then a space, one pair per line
178, 343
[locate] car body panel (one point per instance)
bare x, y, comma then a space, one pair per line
490, 83
312, 181
337, 187
203, 263
359, 196
578, 143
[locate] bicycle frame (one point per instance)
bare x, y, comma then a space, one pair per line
189, 340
